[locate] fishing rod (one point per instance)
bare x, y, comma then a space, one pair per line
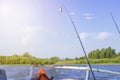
80, 41
115, 23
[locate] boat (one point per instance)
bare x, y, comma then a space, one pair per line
87, 69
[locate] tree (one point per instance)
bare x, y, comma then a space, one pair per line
68, 59
118, 53
54, 59
103, 53
26, 54
15, 55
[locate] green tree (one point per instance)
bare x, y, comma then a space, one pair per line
103, 53
54, 59
118, 53
68, 59
26, 54
15, 55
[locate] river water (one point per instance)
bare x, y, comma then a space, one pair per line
21, 72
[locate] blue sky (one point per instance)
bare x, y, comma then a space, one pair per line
37, 27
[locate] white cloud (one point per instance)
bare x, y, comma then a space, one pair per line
103, 35
97, 36
85, 35
88, 16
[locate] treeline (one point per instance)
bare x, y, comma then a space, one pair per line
105, 55
26, 58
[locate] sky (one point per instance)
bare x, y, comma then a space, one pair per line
38, 27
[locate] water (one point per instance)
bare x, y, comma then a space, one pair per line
22, 72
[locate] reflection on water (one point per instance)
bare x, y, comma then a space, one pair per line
22, 73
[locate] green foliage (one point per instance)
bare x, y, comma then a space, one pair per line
26, 54
80, 58
103, 53
118, 54
68, 59
53, 60
15, 55
103, 56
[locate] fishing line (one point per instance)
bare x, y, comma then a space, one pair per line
80, 41
115, 23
